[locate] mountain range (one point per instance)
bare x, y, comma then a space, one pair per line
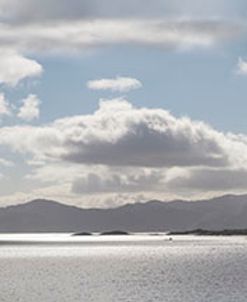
226, 212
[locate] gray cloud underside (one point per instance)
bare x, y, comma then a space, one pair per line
77, 35
121, 181
33, 10
212, 179
200, 180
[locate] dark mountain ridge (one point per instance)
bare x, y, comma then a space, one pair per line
226, 212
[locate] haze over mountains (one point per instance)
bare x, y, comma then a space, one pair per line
49, 216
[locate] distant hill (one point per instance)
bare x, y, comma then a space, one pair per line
226, 212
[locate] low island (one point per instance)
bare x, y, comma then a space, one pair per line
82, 234
203, 232
116, 232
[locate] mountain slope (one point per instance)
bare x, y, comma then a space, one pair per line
48, 216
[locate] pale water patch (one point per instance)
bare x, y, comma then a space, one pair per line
144, 268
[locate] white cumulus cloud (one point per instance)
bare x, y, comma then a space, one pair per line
30, 108
120, 84
242, 67
15, 67
4, 106
118, 134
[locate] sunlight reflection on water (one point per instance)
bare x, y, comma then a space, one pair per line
123, 268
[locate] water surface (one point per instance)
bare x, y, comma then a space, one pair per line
143, 268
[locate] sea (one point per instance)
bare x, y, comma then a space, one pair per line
136, 268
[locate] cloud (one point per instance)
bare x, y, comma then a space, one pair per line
15, 67
137, 153
118, 134
242, 67
30, 11
30, 28
120, 84
30, 108
184, 181
100, 183
79, 35
109, 180
224, 180
94, 179
4, 106
6, 163
14, 11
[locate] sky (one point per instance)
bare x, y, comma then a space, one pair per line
109, 102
